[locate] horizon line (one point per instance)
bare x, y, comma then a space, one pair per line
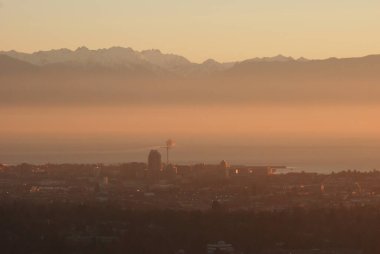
196, 62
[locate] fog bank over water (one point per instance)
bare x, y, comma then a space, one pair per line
311, 138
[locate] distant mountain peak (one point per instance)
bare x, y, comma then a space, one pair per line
83, 48
151, 51
302, 59
278, 58
210, 62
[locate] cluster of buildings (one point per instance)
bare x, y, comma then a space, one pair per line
163, 185
156, 169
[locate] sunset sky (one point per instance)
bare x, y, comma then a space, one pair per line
198, 29
323, 114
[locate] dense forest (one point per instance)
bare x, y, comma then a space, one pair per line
64, 228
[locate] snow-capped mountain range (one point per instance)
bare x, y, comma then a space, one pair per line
127, 58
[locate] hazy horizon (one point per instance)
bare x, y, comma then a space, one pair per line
113, 104
311, 138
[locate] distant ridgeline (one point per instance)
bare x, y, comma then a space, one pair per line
123, 76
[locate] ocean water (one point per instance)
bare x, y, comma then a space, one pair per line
362, 155
313, 138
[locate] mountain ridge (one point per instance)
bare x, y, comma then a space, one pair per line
153, 60
115, 57
151, 77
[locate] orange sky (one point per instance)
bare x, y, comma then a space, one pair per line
198, 29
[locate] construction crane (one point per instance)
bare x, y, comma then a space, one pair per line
169, 145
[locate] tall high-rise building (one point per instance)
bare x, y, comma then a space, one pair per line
225, 168
154, 161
